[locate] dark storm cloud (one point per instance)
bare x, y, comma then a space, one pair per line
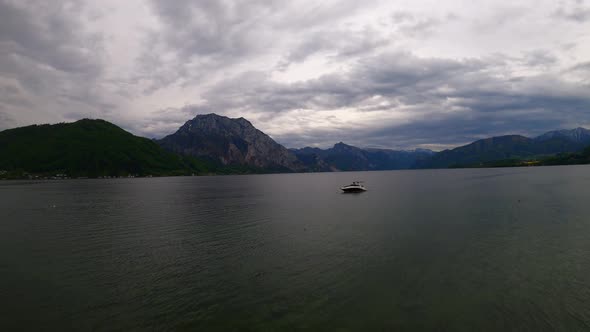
399, 74
198, 37
582, 66
445, 101
414, 25
583, 69
43, 35
442, 100
456, 130
577, 11
45, 59
201, 38
353, 43
430, 132
436, 132
209, 27
539, 58
364, 41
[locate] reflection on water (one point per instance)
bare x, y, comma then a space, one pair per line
487, 249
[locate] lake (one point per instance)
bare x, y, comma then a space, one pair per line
445, 250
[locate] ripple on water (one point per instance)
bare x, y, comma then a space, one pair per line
457, 250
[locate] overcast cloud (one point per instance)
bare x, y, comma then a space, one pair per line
395, 74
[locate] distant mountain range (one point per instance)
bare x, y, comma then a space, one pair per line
510, 147
213, 144
343, 157
237, 142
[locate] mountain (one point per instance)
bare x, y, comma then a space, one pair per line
343, 157
86, 148
222, 145
509, 147
494, 148
230, 142
578, 135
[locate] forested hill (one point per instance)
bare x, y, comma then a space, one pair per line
90, 148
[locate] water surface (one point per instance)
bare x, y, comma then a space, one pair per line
447, 250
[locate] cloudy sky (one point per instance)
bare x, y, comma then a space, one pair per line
395, 74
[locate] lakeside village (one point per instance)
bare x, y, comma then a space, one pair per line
5, 175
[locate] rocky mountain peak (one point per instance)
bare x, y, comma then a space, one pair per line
230, 142
577, 135
342, 147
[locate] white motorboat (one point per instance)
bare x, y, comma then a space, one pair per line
355, 187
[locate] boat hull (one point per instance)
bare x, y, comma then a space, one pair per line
353, 190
